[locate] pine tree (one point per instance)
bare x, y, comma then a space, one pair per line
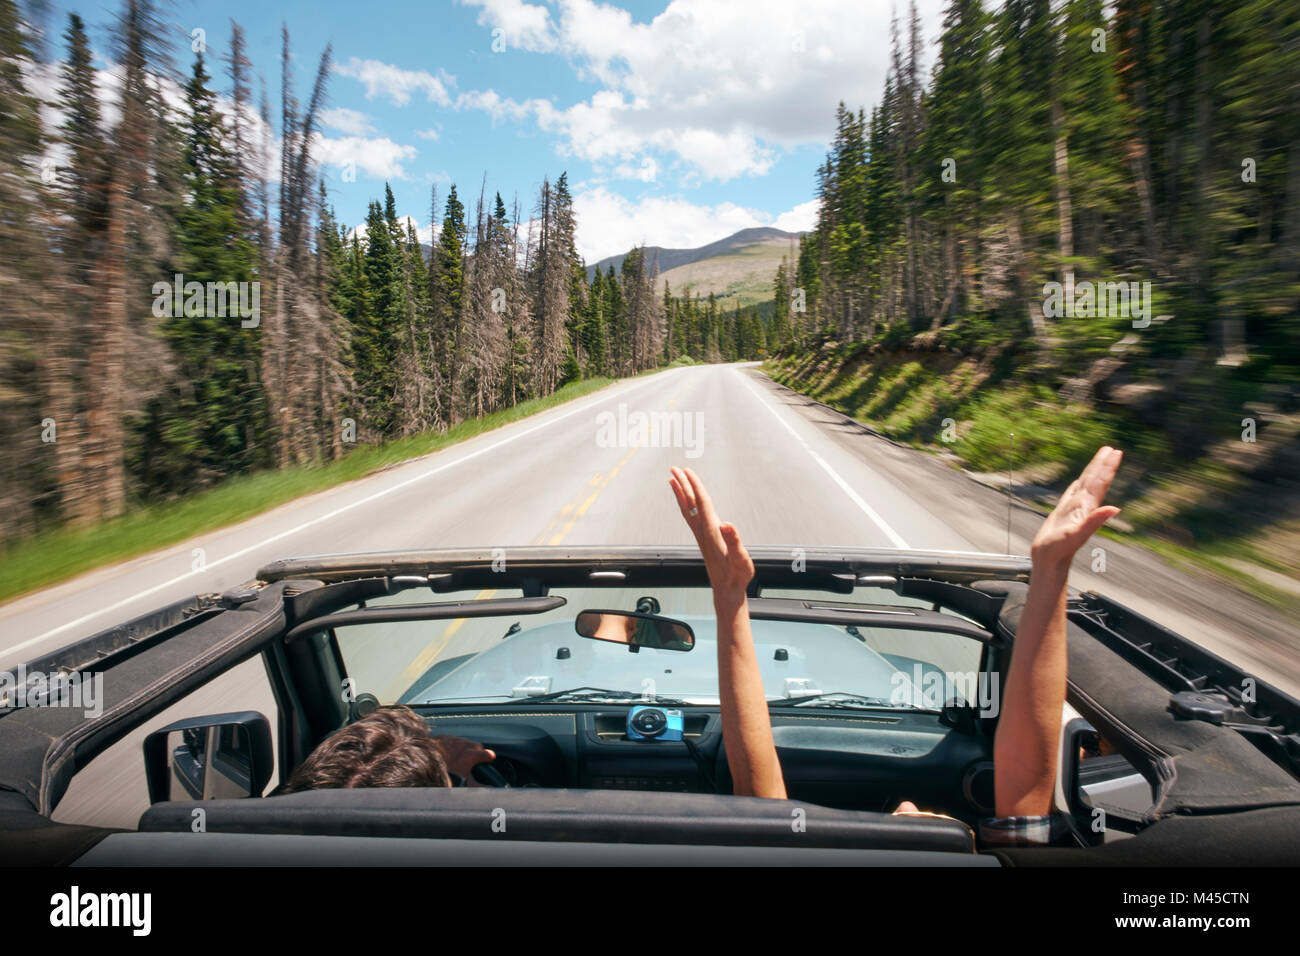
551, 257
139, 213
31, 359
450, 293
210, 421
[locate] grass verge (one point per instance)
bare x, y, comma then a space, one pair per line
53, 556
908, 397
1211, 561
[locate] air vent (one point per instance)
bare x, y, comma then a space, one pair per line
977, 786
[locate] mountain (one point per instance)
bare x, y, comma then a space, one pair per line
737, 269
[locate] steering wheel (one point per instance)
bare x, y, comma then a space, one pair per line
489, 775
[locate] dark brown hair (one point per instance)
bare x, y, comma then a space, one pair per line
389, 747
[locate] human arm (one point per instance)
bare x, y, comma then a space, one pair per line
746, 722
1025, 750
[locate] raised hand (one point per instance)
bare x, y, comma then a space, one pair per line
1079, 513
728, 563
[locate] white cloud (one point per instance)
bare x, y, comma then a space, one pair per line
380, 158
395, 83
427, 133
502, 107
609, 224
647, 171
721, 87
802, 218
521, 24
351, 122
720, 156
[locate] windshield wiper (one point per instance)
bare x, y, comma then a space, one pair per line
600, 694
839, 699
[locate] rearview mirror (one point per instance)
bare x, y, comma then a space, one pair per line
635, 630
209, 758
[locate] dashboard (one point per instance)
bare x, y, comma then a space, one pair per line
852, 761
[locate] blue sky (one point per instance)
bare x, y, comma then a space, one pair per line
678, 123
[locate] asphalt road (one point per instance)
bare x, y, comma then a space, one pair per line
784, 470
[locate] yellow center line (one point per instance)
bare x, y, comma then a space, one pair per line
426, 658
586, 505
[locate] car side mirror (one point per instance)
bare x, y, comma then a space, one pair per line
1078, 736
1103, 790
635, 630
209, 758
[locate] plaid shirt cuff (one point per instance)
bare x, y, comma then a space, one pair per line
1048, 830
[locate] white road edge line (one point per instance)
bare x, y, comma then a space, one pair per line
317, 520
857, 499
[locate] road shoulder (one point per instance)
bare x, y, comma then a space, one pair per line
1208, 610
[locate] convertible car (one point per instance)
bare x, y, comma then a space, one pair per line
592, 676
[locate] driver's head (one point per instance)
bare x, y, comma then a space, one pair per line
390, 747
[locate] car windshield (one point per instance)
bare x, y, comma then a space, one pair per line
541, 658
